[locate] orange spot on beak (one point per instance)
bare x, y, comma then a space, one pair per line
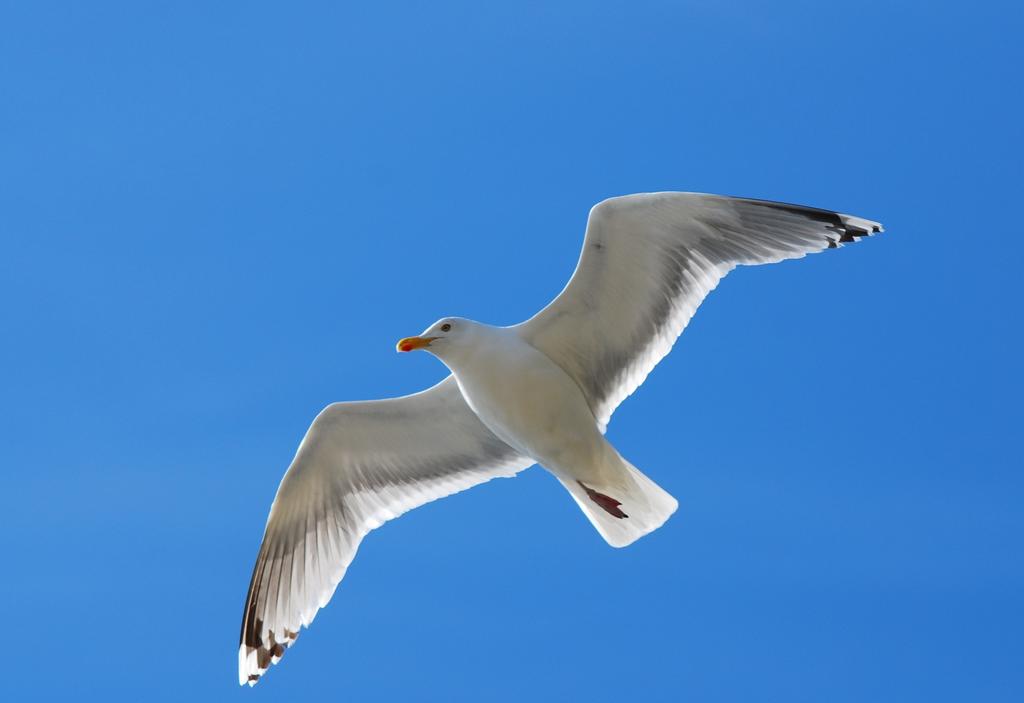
412, 343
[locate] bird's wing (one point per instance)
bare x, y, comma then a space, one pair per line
359, 465
648, 261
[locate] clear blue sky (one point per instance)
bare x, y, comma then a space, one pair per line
216, 220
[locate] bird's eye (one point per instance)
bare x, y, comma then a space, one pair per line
445, 327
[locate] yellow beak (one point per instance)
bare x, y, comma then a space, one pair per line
412, 343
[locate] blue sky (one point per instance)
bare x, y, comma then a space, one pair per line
216, 220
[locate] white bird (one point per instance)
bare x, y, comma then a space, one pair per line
538, 392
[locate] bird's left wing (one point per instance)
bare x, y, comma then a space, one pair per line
359, 465
648, 261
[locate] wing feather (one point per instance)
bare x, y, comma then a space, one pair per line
359, 465
648, 262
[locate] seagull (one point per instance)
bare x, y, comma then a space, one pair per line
540, 392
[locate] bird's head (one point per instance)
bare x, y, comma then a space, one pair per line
444, 335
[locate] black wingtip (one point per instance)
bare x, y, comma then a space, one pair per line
848, 228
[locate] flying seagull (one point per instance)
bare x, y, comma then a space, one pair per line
540, 392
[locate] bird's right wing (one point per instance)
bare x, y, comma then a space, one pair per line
359, 465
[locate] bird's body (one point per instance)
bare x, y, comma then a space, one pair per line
527, 401
540, 392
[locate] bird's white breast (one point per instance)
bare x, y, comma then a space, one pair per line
528, 401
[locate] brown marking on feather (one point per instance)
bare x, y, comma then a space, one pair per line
607, 503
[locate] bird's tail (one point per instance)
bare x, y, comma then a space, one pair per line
625, 506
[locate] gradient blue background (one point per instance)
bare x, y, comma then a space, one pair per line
216, 220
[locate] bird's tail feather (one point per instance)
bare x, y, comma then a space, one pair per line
625, 507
